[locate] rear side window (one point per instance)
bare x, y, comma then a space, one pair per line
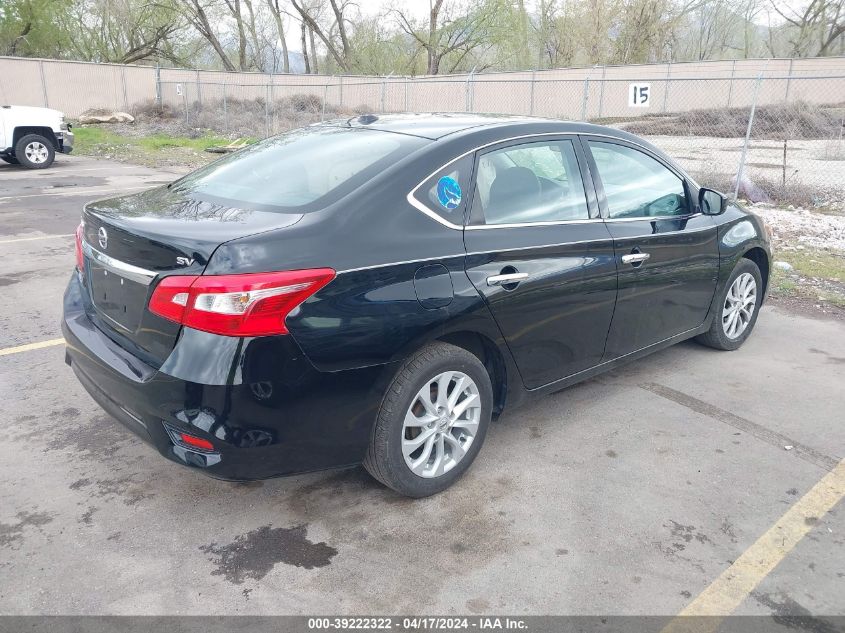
446, 192
301, 170
533, 182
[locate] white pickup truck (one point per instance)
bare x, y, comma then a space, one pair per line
32, 136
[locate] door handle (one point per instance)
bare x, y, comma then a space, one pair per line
503, 280
635, 258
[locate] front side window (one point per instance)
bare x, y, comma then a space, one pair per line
533, 182
636, 185
299, 171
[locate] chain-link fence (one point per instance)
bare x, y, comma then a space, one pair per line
763, 137
760, 128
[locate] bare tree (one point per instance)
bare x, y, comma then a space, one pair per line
342, 55
197, 14
276, 12
304, 45
816, 28
451, 29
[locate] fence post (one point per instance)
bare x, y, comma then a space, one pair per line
383, 88
266, 109
43, 84
325, 96
788, 80
666, 90
272, 103
340, 96
731, 84
407, 81
601, 91
747, 135
158, 85
185, 100
225, 109
199, 89
467, 105
531, 107
123, 82
584, 100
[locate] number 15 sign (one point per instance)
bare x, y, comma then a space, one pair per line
638, 95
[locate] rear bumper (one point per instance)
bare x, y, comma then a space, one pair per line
276, 414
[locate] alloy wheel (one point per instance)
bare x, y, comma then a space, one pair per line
740, 303
441, 424
36, 152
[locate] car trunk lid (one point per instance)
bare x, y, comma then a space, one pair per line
132, 242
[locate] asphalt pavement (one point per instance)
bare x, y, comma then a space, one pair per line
632, 493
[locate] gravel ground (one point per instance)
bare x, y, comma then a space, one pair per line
793, 227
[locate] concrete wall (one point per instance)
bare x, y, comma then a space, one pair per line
598, 92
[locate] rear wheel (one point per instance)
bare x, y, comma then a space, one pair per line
35, 151
432, 421
738, 308
9, 159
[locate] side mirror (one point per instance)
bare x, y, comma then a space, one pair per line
711, 202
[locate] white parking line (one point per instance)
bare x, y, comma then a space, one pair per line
38, 237
70, 171
77, 192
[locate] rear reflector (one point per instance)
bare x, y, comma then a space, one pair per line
196, 442
254, 304
80, 258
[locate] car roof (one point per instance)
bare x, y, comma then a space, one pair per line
433, 125
439, 125
436, 125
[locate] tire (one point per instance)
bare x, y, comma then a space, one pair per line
35, 151
9, 159
457, 369
718, 336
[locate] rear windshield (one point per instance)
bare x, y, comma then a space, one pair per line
299, 171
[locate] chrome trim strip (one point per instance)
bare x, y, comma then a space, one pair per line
479, 227
435, 216
134, 273
655, 218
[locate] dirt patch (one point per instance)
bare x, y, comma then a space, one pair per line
233, 118
791, 121
13, 532
806, 307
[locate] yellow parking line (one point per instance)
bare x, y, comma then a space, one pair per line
39, 237
735, 584
31, 346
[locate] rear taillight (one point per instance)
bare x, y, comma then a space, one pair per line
254, 304
196, 442
80, 257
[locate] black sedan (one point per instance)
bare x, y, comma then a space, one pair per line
376, 290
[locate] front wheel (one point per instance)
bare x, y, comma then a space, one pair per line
432, 421
35, 152
737, 310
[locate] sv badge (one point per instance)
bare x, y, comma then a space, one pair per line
184, 261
